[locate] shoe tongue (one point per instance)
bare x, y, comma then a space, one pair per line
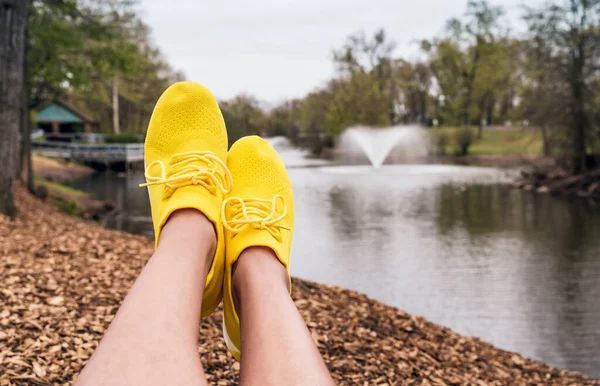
193, 197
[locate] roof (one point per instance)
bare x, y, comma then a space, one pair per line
61, 111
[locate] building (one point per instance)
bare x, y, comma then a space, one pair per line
58, 118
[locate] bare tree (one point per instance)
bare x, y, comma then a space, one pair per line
13, 19
570, 30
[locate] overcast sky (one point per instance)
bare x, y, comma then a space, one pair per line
278, 49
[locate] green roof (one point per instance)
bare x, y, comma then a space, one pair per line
54, 112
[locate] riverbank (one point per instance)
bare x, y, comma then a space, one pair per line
57, 170
64, 279
50, 178
557, 181
503, 161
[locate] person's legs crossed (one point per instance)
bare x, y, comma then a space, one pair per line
277, 348
153, 338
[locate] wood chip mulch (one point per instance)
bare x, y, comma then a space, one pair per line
62, 280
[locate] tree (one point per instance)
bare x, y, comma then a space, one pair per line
243, 116
412, 85
13, 18
447, 63
364, 93
543, 93
570, 33
283, 119
357, 100
478, 31
499, 71
467, 47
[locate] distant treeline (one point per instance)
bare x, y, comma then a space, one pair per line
478, 73
98, 55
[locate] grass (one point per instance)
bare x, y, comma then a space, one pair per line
500, 141
70, 201
62, 189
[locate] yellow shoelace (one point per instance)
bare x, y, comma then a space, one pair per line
257, 213
191, 168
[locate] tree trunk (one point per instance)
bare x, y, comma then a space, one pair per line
423, 107
545, 139
579, 115
470, 84
13, 19
115, 102
482, 112
490, 110
26, 163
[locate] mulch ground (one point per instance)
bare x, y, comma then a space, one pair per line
62, 280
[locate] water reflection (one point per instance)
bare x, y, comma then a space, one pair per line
517, 269
555, 270
132, 203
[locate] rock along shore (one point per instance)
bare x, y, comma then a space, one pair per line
558, 182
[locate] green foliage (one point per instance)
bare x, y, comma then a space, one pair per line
243, 116
283, 120
463, 139
69, 207
71, 43
441, 143
357, 101
471, 65
475, 72
501, 141
61, 189
563, 52
122, 138
77, 48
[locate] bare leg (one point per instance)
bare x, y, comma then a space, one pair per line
153, 338
277, 348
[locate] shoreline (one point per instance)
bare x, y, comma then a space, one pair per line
65, 278
57, 170
501, 161
556, 181
51, 176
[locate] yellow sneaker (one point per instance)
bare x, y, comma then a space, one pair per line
185, 154
259, 211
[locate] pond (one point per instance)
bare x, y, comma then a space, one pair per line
449, 243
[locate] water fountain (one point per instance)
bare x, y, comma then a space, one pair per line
407, 142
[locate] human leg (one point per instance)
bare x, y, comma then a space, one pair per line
277, 348
153, 338
262, 326
154, 335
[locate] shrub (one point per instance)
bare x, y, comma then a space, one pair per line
441, 143
69, 207
463, 139
122, 138
41, 191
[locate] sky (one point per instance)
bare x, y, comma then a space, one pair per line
280, 49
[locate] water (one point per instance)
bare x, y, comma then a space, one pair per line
409, 143
519, 270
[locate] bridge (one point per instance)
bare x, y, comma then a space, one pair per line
102, 155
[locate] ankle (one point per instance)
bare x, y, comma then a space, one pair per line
189, 230
258, 267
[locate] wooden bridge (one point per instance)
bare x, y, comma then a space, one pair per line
103, 155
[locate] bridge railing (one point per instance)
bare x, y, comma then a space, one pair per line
107, 153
